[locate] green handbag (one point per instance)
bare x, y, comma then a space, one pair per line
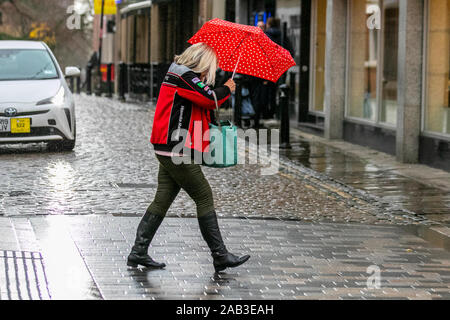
223, 148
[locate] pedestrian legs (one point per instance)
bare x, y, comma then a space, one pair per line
166, 193
191, 179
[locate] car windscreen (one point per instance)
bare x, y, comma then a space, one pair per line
26, 64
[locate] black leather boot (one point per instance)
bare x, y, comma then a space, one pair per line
209, 228
144, 235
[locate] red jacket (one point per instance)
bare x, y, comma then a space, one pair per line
184, 101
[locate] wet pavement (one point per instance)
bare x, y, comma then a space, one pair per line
113, 171
289, 260
382, 185
67, 221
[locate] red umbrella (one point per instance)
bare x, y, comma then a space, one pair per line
244, 49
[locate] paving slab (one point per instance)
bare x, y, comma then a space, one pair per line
297, 260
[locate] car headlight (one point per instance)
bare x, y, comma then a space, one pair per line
58, 99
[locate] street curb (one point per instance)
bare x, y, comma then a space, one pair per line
438, 236
432, 232
433, 177
356, 197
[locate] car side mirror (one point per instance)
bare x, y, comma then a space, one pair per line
72, 72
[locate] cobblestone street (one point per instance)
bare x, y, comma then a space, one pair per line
113, 171
308, 237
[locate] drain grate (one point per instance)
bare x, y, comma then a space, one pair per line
19, 193
22, 276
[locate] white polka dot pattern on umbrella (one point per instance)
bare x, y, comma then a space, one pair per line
258, 55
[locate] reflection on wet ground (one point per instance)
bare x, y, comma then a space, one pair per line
153, 284
289, 260
412, 195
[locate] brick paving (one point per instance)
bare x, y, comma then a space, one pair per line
290, 260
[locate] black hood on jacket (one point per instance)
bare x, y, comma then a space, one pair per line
274, 34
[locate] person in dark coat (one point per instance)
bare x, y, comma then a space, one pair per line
259, 92
273, 31
260, 99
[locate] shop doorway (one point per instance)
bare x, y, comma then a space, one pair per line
311, 67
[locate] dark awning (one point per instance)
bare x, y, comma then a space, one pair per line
162, 1
136, 6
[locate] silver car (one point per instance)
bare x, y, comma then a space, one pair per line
36, 104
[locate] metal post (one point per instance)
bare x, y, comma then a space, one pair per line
284, 34
152, 82
109, 80
78, 86
122, 80
284, 126
238, 101
71, 80
292, 83
89, 79
304, 72
149, 43
99, 88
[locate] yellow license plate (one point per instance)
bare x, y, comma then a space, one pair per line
22, 125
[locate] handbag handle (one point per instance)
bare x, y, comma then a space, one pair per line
217, 109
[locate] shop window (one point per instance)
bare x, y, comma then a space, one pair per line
289, 13
261, 10
437, 108
111, 26
318, 56
363, 62
230, 10
390, 62
372, 92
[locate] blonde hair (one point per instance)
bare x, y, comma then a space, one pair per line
200, 58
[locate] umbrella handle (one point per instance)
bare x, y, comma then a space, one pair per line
237, 63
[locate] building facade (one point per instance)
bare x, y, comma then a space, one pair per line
376, 73
147, 35
371, 72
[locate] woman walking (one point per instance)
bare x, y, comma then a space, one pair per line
185, 102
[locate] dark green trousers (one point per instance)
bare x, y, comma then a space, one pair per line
172, 178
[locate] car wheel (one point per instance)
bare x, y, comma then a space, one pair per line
65, 145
